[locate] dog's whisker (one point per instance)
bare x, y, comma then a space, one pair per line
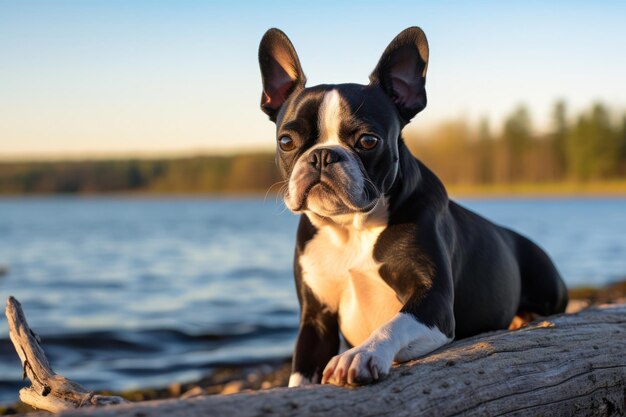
280, 196
272, 186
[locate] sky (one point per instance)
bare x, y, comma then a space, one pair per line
102, 78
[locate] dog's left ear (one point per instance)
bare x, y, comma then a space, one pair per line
401, 72
280, 70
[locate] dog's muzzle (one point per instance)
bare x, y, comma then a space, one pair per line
330, 180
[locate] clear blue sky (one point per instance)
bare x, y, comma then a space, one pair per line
142, 77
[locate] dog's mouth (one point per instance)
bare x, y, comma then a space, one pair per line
326, 199
340, 188
305, 195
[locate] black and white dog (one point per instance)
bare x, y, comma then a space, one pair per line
383, 256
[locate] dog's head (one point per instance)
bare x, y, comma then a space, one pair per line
337, 145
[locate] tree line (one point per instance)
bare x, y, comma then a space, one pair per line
590, 146
245, 173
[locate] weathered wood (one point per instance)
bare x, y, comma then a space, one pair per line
49, 391
568, 365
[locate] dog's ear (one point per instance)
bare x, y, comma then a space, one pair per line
280, 70
401, 71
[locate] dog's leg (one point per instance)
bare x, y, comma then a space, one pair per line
403, 338
318, 341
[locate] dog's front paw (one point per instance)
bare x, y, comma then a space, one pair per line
357, 366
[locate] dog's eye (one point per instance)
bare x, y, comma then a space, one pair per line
367, 142
286, 143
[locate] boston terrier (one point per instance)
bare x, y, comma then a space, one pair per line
383, 257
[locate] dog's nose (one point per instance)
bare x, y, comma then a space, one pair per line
322, 157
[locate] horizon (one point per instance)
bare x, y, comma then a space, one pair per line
101, 79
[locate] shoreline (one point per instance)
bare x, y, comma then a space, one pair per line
553, 192
234, 379
563, 189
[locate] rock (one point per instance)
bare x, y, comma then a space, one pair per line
574, 306
232, 387
194, 392
175, 389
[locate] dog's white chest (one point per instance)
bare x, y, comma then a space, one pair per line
339, 267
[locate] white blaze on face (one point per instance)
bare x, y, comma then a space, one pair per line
330, 118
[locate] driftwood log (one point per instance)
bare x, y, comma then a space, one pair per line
48, 391
567, 365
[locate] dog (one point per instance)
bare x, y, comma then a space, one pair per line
383, 257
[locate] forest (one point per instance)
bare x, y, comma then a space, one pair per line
589, 147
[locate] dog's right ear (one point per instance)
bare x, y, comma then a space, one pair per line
280, 70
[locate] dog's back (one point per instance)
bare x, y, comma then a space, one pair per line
531, 287
499, 275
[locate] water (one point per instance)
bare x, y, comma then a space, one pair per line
134, 293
